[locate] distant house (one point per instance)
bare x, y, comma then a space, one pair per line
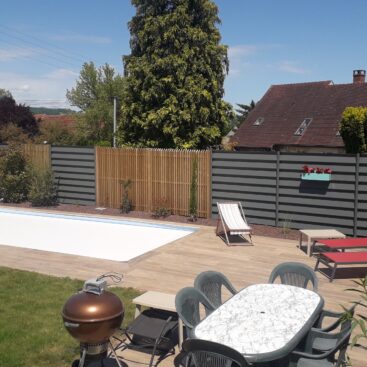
302, 117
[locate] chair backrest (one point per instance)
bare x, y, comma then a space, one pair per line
294, 273
203, 353
232, 213
210, 283
340, 318
188, 302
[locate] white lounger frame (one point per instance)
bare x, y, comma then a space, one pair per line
225, 226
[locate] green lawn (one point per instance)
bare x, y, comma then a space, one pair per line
31, 329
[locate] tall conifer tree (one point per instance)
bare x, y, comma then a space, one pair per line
174, 76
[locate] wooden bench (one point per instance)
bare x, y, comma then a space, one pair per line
340, 258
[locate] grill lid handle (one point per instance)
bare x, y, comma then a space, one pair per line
99, 285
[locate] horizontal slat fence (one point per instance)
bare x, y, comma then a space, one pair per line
246, 177
317, 204
38, 154
269, 186
74, 171
160, 177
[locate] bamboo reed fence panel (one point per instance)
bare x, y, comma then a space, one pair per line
38, 154
160, 178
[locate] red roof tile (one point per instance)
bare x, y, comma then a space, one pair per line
284, 107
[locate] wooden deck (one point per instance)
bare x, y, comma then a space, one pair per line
175, 265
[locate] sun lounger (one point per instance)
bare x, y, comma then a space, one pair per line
345, 243
340, 258
233, 220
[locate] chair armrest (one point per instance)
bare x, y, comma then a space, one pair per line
315, 333
324, 314
310, 355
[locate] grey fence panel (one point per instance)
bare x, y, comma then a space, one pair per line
249, 178
74, 170
294, 203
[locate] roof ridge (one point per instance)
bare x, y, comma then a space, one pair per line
326, 82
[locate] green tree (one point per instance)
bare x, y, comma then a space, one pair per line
5, 93
243, 110
17, 114
93, 94
174, 76
353, 129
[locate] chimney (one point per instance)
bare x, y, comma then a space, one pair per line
359, 76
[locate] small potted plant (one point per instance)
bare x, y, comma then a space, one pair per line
316, 174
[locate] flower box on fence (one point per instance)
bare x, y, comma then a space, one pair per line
316, 176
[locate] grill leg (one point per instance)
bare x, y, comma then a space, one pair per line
114, 353
82, 359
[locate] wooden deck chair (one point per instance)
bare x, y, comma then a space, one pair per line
233, 220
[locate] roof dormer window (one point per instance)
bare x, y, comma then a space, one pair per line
303, 126
259, 121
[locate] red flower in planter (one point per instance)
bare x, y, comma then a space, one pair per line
319, 170
307, 169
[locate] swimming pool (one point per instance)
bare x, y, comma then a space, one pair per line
103, 238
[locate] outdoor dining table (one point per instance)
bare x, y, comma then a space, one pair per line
264, 322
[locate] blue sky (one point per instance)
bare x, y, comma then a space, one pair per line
44, 43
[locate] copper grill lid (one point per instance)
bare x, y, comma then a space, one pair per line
93, 304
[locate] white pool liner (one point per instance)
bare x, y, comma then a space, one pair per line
110, 239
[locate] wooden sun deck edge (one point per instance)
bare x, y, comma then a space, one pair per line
175, 265
106, 216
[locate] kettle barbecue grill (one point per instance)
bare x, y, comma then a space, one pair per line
92, 316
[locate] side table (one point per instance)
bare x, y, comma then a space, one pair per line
314, 234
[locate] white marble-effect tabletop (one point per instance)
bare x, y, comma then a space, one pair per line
262, 318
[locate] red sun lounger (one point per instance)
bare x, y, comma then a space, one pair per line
345, 243
340, 258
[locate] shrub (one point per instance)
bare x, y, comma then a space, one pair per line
126, 205
359, 321
353, 129
193, 210
162, 209
14, 177
42, 191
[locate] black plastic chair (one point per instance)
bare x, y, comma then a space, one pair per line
339, 317
203, 353
296, 274
188, 302
338, 343
211, 283
154, 332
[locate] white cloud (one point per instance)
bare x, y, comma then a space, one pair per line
240, 56
7, 54
75, 37
292, 67
48, 90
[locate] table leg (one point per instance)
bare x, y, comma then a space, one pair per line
180, 333
300, 240
308, 245
137, 310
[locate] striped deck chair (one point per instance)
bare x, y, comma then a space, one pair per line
233, 220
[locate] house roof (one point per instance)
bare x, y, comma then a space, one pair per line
284, 107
